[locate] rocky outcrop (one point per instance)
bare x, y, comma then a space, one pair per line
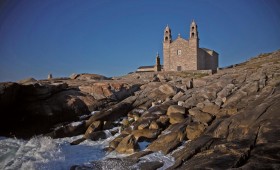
221, 121
114, 91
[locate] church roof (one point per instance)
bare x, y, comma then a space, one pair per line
207, 49
141, 67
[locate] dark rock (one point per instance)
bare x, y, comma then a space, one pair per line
153, 165
68, 130
97, 135
94, 127
110, 163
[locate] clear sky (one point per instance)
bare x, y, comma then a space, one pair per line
114, 37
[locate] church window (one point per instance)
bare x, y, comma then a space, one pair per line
179, 68
179, 52
192, 28
166, 38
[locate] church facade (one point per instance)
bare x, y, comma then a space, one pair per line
181, 54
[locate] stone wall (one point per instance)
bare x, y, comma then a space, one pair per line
175, 60
208, 59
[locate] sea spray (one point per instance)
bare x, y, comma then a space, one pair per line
47, 153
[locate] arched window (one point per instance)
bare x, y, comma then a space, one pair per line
193, 34
166, 38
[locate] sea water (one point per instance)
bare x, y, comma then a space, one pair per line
45, 153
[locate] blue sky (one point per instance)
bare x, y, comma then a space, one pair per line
114, 37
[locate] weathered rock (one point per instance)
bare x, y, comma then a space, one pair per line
168, 89
178, 96
188, 82
115, 112
191, 149
143, 124
145, 134
199, 83
176, 117
88, 77
226, 112
154, 125
176, 109
128, 145
211, 108
116, 91
194, 130
200, 116
173, 139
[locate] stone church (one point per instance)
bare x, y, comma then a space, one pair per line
181, 54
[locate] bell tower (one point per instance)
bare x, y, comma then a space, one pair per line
167, 40
194, 46
157, 66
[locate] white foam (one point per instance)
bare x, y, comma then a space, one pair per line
73, 124
94, 112
48, 153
